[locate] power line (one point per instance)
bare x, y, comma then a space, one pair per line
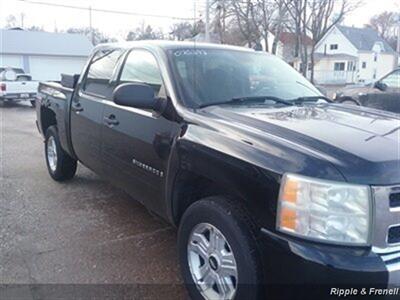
106, 10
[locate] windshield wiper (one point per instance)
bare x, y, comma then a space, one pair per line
311, 99
240, 100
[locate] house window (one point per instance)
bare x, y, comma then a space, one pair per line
334, 46
364, 64
375, 56
339, 66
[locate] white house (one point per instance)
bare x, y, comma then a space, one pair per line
44, 55
349, 55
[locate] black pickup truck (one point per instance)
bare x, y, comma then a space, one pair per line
269, 182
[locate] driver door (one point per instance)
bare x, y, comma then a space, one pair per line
136, 141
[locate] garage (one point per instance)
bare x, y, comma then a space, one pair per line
44, 55
48, 68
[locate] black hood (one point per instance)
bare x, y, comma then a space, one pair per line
363, 144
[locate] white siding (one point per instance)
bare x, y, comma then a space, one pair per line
335, 37
51, 67
8, 60
385, 63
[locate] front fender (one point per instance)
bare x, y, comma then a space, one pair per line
243, 167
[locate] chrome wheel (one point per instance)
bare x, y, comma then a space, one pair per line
52, 153
212, 263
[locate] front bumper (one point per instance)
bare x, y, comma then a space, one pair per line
290, 261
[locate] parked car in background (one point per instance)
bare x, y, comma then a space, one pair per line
16, 85
383, 94
267, 179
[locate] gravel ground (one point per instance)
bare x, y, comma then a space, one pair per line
77, 240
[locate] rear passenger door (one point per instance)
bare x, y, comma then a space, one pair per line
136, 141
87, 107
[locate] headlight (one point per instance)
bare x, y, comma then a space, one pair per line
325, 211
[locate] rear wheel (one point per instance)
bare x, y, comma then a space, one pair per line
218, 251
59, 164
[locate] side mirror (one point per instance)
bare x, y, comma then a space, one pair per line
380, 86
137, 95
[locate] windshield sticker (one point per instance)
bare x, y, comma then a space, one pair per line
196, 52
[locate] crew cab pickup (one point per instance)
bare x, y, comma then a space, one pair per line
270, 183
17, 86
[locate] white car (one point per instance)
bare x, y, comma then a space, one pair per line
16, 85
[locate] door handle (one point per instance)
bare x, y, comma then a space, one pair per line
111, 121
77, 107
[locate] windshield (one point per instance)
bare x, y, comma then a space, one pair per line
207, 76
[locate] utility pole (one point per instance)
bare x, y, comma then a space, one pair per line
207, 37
398, 42
398, 34
91, 25
22, 20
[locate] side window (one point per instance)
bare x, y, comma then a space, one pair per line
101, 71
393, 80
141, 66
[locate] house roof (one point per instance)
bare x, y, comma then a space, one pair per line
290, 38
320, 56
43, 43
364, 38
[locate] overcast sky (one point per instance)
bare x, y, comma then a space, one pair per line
118, 25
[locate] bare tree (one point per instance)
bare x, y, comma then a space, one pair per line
222, 11
98, 36
11, 21
280, 21
182, 31
385, 23
262, 15
295, 10
144, 32
244, 13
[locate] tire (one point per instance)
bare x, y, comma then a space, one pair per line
221, 216
60, 165
33, 103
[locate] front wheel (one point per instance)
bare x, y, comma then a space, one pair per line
218, 251
60, 165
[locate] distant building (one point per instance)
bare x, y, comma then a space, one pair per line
348, 55
286, 48
44, 55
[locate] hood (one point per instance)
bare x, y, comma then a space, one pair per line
363, 144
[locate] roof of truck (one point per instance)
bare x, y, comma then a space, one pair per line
162, 44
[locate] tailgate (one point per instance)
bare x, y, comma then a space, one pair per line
21, 87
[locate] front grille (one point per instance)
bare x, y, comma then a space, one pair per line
394, 235
395, 200
387, 216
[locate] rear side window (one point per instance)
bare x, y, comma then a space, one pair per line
141, 66
100, 72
